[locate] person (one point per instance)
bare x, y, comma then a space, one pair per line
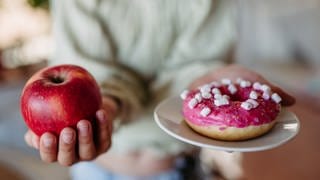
140, 52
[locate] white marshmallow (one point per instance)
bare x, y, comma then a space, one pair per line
256, 86
245, 84
253, 102
276, 98
198, 97
225, 96
221, 101
239, 80
265, 88
217, 96
184, 94
232, 88
216, 91
206, 95
215, 84
216, 102
205, 88
246, 105
205, 112
253, 95
266, 95
192, 103
225, 81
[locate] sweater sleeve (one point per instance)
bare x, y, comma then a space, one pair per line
206, 38
81, 38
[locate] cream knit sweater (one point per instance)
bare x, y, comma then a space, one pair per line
141, 51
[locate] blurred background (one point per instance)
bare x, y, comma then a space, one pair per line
278, 38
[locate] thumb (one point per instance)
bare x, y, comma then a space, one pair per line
287, 99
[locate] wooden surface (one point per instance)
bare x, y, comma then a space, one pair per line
16, 164
296, 160
7, 173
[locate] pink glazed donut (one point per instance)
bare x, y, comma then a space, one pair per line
231, 111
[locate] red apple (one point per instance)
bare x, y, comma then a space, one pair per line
58, 97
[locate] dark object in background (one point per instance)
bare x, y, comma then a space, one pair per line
39, 3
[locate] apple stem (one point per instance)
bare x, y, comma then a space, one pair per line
57, 79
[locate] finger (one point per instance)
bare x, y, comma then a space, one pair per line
28, 138
104, 131
87, 150
32, 139
48, 147
35, 139
67, 141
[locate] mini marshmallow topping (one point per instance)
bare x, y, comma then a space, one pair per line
246, 105
216, 91
184, 94
266, 95
205, 88
225, 81
206, 95
239, 80
215, 84
253, 95
265, 88
221, 102
217, 96
253, 102
198, 97
225, 96
209, 91
245, 84
205, 112
276, 98
232, 88
256, 86
192, 103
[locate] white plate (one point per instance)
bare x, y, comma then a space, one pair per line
169, 118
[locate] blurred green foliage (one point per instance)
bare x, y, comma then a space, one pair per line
39, 3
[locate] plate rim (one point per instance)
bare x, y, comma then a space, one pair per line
223, 148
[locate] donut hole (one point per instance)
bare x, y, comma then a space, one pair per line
241, 95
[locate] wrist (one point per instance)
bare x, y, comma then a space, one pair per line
111, 106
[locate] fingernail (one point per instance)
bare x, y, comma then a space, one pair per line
84, 129
67, 137
47, 142
101, 116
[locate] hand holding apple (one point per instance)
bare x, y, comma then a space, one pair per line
76, 142
74, 145
58, 97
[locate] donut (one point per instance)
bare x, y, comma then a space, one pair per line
231, 111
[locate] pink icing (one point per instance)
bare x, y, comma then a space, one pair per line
231, 115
